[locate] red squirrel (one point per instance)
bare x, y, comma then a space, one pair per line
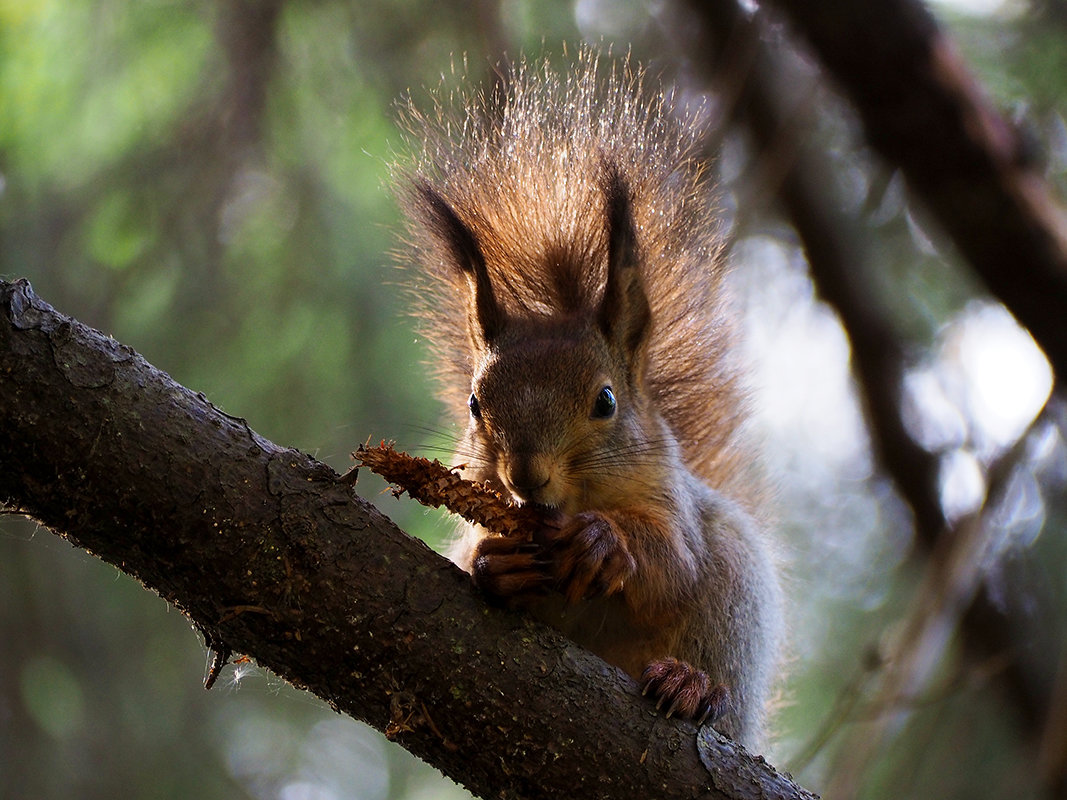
571, 279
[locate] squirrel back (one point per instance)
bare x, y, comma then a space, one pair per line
523, 168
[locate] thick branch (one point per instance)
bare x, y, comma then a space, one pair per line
927, 115
270, 555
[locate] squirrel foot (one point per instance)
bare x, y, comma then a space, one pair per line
588, 555
511, 568
687, 691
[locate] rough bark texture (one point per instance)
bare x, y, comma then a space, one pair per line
271, 555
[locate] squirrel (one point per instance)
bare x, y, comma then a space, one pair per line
570, 279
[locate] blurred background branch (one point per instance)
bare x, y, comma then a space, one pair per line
923, 111
835, 251
210, 174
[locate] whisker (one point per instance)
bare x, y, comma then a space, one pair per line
637, 453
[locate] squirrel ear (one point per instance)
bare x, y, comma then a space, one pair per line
486, 316
624, 312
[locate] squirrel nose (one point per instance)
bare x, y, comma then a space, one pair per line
527, 475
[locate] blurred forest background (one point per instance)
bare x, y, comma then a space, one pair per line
208, 183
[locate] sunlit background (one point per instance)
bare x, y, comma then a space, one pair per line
208, 183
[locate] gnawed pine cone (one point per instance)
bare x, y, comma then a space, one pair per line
434, 484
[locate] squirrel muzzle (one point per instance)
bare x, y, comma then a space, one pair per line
528, 476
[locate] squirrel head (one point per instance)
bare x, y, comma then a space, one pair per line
555, 395
574, 206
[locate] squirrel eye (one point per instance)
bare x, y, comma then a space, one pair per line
605, 404
472, 404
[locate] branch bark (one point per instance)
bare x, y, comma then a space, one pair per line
270, 555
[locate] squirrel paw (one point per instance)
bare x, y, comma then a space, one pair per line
511, 568
685, 690
589, 558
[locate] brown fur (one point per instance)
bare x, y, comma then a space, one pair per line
565, 246
536, 218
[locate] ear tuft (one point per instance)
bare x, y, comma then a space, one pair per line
487, 317
624, 313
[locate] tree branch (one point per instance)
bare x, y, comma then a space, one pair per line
832, 245
270, 555
907, 80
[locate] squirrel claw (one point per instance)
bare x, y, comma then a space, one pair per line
590, 557
688, 691
715, 705
509, 568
